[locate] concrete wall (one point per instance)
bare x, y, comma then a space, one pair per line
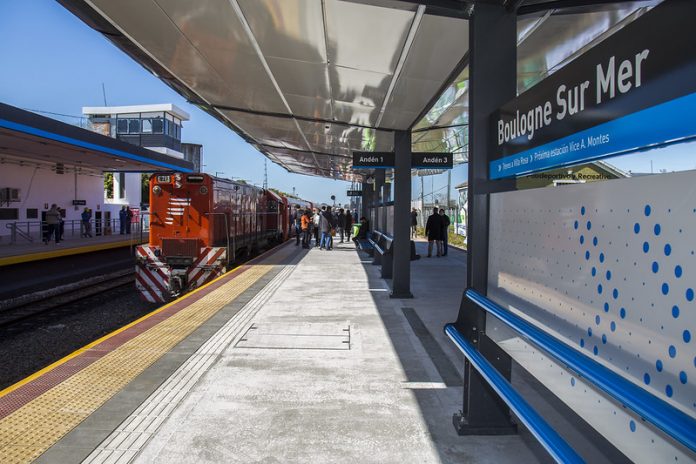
40, 187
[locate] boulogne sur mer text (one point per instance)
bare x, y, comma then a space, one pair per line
610, 80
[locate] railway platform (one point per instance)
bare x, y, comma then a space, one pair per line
295, 356
17, 253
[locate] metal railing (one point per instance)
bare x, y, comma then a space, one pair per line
35, 230
542, 431
658, 412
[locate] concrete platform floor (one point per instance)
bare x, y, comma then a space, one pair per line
322, 366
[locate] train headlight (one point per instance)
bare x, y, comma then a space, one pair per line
157, 190
203, 190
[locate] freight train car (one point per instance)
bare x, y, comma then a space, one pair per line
199, 225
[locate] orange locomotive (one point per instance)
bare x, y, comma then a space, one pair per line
199, 224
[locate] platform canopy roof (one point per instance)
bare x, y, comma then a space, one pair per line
308, 81
30, 139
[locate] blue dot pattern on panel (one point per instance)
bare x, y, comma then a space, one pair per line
654, 256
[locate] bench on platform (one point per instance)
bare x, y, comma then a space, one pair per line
672, 421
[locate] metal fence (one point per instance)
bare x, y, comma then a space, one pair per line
31, 231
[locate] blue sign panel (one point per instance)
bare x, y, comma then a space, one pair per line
663, 124
630, 91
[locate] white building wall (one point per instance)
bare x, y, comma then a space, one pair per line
40, 187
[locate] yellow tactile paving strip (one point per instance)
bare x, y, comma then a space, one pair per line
76, 250
29, 431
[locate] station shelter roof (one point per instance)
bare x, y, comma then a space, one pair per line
307, 82
29, 137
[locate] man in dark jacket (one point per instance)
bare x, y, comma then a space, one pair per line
445, 230
341, 223
433, 230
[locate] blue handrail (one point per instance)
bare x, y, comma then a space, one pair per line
663, 415
547, 436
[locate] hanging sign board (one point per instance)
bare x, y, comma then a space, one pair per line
432, 160
632, 90
79, 202
373, 159
354, 193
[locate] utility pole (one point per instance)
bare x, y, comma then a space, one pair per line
449, 187
265, 173
422, 202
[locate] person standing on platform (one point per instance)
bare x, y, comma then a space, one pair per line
433, 230
341, 222
348, 218
86, 226
129, 218
332, 226
122, 217
325, 229
53, 224
296, 221
445, 230
355, 216
315, 224
305, 222
414, 223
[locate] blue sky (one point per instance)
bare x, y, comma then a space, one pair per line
54, 62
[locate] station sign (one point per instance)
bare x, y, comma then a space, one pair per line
424, 160
79, 202
631, 91
432, 160
373, 159
354, 193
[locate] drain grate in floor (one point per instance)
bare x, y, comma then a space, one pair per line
297, 336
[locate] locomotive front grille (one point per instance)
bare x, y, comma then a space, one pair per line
180, 247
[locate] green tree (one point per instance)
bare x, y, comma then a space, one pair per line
145, 189
109, 184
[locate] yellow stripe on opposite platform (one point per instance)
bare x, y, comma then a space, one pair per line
17, 259
32, 429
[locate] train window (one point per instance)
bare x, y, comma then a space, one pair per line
164, 179
194, 179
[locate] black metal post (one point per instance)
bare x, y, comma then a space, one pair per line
379, 183
493, 73
401, 249
366, 200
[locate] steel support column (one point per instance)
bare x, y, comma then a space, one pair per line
492, 55
366, 200
401, 248
379, 184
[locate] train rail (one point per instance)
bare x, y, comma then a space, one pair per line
28, 306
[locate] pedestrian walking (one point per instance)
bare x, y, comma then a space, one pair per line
86, 224
348, 218
433, 230
414, 223
341, 224
332, 227
122, 218
445, 230
53, 224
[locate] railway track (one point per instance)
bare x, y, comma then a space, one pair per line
31, 305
